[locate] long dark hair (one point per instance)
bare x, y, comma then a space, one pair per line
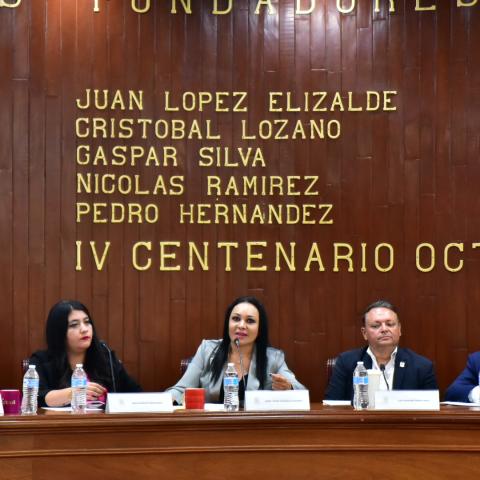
220, 355
95, 363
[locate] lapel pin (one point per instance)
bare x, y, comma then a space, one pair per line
402, 364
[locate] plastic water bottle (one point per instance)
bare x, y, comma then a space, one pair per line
30, 391
230, 389
79, 389
360, 387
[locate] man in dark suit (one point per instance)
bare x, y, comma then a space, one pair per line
465, 388
402, 368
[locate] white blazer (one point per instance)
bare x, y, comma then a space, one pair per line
198, 374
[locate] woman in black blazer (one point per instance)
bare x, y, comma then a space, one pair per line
71, 339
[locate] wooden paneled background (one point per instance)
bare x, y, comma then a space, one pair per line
403, 177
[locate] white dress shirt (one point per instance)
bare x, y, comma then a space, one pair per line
389, 369
474, 395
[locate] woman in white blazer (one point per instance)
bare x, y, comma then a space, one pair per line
244, 343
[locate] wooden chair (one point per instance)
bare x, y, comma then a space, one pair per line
25, 364
330, 364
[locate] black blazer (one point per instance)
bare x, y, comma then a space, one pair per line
49, 379
412, 372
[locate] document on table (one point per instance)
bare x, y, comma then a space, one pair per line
337, 403
214, 407
69, 409
461, 404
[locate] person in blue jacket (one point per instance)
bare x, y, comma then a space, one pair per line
465, 387
402, 368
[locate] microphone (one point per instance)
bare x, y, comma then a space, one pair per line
382, 368
237, 344
105, 346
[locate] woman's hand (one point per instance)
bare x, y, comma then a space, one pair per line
95, 391
279, 382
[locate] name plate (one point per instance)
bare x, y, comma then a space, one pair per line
139, 403
1, 406
265, 400
407, 400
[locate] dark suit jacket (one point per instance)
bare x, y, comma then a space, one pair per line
417, 373
50, 380
458, 391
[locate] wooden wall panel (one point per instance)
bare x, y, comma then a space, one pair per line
6, 190
405, 177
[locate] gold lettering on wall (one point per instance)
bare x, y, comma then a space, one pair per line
253, 255
186, 4
390, 9
363, 268
104, 99
115, 212
126, 182
461, 3
322, 101
302, 7
446, 258
268, 4
314, 257
15, 4
217, 11
430, 251
99, 260
390, 254
135, 254
136, 6
202, 258
422, 8
228, 253
126, 155
260, 256
304, 11
289, 259
342, 251
227, 157
342, 9
166, 256
258, 214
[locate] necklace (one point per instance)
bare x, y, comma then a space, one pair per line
235, 359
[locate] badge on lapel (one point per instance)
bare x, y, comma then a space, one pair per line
402, 364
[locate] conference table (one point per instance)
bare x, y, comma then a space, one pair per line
325, 442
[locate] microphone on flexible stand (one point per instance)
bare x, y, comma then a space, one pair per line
237, 344
104, 345
382, 368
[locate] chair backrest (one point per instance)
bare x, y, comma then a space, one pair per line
25, 364
330, 364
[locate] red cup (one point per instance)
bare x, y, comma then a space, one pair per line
194, 398
11, 400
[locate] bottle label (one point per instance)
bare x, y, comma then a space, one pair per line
31, 382
79, 382
230, 382
360, 380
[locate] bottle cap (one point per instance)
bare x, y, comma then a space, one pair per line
31, 366
230, 364
79, 365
